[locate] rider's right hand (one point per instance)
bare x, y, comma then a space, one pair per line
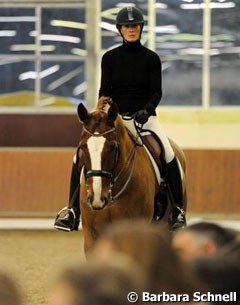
141, 116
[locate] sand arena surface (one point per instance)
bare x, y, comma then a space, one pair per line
34, 257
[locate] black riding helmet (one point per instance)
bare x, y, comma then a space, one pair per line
129, 15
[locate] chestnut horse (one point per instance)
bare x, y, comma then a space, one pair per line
118, 180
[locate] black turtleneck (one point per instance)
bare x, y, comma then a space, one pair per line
131, 76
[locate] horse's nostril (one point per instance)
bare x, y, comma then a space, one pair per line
104, 200
89, 201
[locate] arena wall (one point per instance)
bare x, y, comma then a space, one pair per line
35, 181
34, 177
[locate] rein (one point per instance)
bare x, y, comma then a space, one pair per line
97, 134
112, 198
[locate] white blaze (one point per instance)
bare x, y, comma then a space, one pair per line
95, 148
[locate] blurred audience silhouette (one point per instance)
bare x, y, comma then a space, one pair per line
133, 256
9, 292
97, 283
150, 247
202, 239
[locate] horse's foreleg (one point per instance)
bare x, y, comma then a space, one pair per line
88, 244
89, 240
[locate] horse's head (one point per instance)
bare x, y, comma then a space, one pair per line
99, 149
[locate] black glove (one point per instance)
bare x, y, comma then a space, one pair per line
141, 116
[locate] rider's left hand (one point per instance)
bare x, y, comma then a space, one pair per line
141, 116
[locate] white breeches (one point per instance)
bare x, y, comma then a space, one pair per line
154, 125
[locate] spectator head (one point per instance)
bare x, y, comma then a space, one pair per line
96, 283
150, 247
9, 294
219, 274
201, 239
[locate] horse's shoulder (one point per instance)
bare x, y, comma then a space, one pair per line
119, 124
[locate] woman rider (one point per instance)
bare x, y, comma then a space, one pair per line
131, 77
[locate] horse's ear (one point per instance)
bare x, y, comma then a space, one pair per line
113, 112
82, 113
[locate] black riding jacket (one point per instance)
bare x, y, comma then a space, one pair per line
131, 76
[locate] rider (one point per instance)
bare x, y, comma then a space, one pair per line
131, 77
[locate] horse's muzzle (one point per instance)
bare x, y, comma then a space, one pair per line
90, 201
100, 204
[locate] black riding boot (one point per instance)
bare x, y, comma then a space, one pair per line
68, 218
175, 184
160, 203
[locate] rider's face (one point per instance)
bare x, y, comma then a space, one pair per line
131, 32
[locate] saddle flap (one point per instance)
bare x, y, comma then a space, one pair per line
147, 138
150, 141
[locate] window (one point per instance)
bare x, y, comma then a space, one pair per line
42, 56
43, 51
179, 44
225, 50
65, 83
179, 41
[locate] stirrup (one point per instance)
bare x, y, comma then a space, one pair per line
66, 210
181, 210
178, 223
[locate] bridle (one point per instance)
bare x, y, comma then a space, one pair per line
111, 175
102, 173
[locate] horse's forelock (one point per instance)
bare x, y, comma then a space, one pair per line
102, 108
